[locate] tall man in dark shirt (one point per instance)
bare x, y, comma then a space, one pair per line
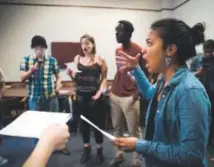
124, 95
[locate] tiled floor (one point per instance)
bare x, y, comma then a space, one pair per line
18, 149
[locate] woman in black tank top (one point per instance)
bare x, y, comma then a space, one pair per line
90, 83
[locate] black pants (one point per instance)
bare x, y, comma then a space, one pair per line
74, 122
64, 104
92, 110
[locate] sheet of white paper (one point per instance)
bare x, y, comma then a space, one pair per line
109, 136
72, 66
32, 123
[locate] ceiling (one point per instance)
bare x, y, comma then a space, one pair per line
147, 5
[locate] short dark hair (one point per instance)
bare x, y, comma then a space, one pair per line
173, 31
92, 40
38, 41
127, 25
208, 44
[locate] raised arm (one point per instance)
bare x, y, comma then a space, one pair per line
146, 89
126, 61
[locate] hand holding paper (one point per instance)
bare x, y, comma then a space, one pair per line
109, 136
72, 66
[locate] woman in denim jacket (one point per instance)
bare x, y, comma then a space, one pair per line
178, 116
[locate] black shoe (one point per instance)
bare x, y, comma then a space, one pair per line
117, 161
99, 156
3, 161
86, 155
66, 151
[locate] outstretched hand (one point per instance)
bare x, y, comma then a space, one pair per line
125, 61
56, 136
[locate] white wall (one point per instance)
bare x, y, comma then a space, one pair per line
175, 3
198, 11
20, 23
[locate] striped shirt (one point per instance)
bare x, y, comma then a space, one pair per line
41, 83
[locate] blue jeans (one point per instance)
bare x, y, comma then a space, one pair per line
50, 104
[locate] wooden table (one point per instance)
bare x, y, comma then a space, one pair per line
23, 92
16, 92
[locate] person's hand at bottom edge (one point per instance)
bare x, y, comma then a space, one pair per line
56, 136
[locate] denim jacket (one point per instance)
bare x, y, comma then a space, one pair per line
182, 122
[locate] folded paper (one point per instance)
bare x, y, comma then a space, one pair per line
109, 136
72, 66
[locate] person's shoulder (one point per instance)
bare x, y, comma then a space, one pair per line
99, 59
27, 58
191, 82
119, 48
136, 46
191, 87
50, 58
